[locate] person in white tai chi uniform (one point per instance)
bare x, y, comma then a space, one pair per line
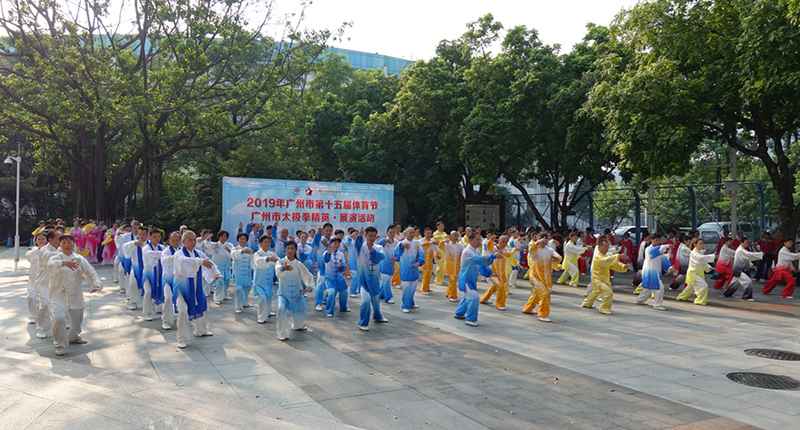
68, 270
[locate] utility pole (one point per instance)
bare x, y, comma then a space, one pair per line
733, 185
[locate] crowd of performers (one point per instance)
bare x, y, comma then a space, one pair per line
173, 277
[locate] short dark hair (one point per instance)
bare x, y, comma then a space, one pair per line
291, 243
49, 234
263, 238
350, 230
334, 239
338, 232
371, 229
327, 224
238, 236
221, 232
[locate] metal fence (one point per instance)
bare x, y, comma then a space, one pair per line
680, 206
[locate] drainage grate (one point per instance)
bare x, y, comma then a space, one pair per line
774, 354
764, 380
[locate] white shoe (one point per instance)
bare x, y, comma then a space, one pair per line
363, 328
131, 307
31, 320
272, 315
390, 301
148, 318
261, 321
453, 300
406, 311
416, 306
353, 295
207, 334
329, 315
318, 308
182, 345
383, 321
41, 335
60, 351
165, 326
545, 319
471, 323
660, 308
283, 339
238, 311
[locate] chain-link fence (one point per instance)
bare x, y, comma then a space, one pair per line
666, 207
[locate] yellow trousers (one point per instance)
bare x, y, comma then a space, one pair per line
699, 287
602, 291
501, 288
540, 296
440, 271
452, 286
427, 272
396, 275
572, 273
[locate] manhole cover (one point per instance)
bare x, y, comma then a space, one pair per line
775, 354
764, 380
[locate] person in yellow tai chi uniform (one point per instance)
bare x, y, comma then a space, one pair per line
500, 269
572, 252
541, 259
699, 264
453, 250
602, 265
429, 249
440, 239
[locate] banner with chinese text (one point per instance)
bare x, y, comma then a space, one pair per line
301, 205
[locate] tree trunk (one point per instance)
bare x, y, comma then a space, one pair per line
100, 208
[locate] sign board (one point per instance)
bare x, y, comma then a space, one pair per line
302, 205
486, 216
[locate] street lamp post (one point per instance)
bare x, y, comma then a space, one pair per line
18, 160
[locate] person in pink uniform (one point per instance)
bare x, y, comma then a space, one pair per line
109, 245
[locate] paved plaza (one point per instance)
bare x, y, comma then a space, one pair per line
638, 369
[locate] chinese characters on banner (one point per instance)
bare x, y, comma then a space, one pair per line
304, 204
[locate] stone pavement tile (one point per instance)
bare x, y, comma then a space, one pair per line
271, 388
714, 423
19, 409
784, 402
62, 416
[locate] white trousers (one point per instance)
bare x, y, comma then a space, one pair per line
184, 333
148, 306
132, 292
61, 317
168, 313
288, 321
658, 300
263, 308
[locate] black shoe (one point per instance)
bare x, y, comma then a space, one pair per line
458, 317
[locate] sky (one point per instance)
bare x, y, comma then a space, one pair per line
411, 29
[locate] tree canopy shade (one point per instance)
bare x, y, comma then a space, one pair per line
699, 69
117, 107
467, 117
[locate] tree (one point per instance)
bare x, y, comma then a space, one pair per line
725, 71
119, 106
528, 121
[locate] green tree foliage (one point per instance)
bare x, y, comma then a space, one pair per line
726, 71
119, 107
528, 122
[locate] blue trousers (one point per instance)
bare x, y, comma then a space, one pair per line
319, 293
370, 306
409, 288
468, 305
333, 291
386, 287
355, 286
